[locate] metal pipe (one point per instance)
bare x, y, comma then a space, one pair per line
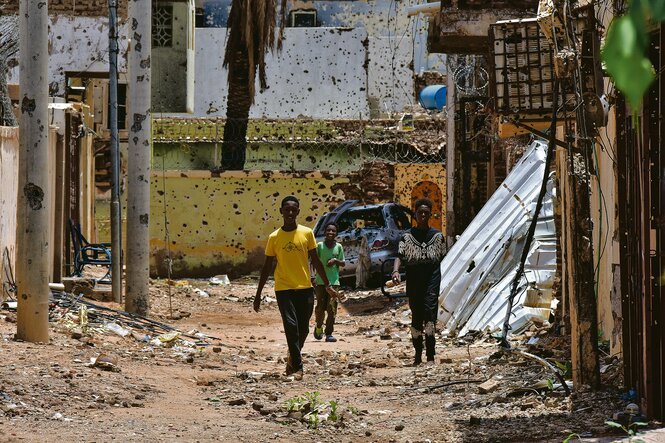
425, 8
116, 209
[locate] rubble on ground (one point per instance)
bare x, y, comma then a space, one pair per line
223, 365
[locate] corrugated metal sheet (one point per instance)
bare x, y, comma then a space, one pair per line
478, 271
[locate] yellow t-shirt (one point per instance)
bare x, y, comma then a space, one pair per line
292, 252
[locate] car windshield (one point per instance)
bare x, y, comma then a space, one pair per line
401, 217
361, 218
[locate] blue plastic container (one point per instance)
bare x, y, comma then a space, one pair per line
433, 97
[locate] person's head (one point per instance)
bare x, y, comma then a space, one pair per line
423, 208
290, 209
331, 231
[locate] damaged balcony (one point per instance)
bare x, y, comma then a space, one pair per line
461, 26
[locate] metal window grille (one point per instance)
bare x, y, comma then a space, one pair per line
162, 26
522, 71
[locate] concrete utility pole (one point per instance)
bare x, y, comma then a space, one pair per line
138, 163
116, 210
32, 213
577, 225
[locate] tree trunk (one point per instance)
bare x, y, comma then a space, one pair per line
138, 162
239, 101
33, 249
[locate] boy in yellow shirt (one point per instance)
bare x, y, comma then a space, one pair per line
292, 245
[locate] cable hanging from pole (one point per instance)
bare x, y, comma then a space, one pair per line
534, 221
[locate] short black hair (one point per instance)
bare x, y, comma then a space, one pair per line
331, 224
423, 202
290, 198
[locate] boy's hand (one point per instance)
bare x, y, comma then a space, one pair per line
332, 262
331, 291
257, 303
397, 278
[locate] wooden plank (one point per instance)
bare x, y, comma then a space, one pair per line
50, 207
60, 213
9, 149
562, 199
87, 188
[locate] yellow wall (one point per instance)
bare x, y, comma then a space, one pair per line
218, 223
407, 176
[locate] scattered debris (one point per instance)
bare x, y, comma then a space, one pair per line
220, 280
105, 362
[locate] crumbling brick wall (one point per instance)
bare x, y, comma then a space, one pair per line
373, 183
84, 8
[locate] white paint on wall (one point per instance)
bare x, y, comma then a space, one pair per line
320, 73
390, 76
78, 45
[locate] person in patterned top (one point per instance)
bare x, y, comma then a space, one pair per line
421, 249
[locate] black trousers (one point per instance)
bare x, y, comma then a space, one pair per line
296, 307
424, 309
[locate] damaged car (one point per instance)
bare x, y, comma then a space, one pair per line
380, 225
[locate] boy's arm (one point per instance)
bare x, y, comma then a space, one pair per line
396, 277
265, 272
312, 272
316, 261
342, 260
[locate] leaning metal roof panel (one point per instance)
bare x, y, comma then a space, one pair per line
477, 273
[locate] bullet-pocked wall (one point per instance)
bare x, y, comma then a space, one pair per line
414, 181
218, 223
335, 158
171, 40
320, 73
90, 8
79, 46
394, 45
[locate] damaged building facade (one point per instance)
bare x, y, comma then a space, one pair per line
542, 72
311, 133
364, 63
325, 129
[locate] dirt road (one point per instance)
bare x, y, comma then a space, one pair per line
358, 389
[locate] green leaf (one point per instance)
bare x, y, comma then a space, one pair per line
613, 424
639, 423
623, 55
657, 8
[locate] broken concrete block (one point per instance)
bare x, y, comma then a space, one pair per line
78, 285
101, 294
490, 385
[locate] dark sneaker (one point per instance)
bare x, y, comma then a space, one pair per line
318, 333
331, 339
417, 361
